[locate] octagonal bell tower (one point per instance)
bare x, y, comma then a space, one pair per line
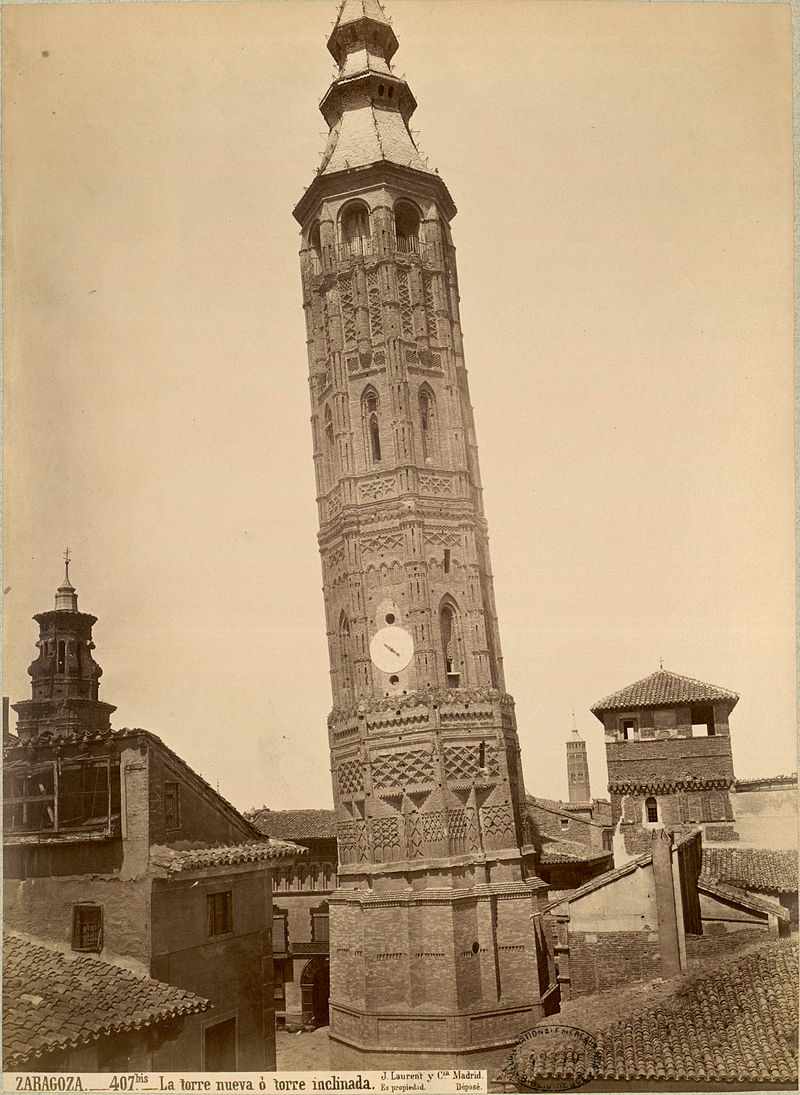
434, 927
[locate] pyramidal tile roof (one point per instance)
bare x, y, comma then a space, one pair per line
54, 1001
661, 689
735, 1023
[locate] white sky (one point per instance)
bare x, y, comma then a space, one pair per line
623, 178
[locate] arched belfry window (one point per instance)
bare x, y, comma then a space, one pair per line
427, 422
449, 630
315, 244
344, 653
355, 229
370, 410
406, 227
651, 809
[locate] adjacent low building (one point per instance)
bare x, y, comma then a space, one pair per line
115, 848
67, 1012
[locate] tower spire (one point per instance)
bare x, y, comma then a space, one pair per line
367, 107
66, 597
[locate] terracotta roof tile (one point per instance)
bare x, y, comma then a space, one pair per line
753, 868
295, 824
737, 1023
663, 688
570, 851
187, 859
55, 1001
713, 886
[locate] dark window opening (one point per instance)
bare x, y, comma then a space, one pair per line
449, 644
328, 425
87, 928
172, 805
375, 437
406, 227
564, 822
425, 423
702, 722
280, 931
320, 930
62, 656
220, 1046
220, 912
447, 560
389, 617
482, 755
394, 679
355, 229
651, 806
628, 729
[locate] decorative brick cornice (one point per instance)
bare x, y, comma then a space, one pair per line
439, 697
667, 786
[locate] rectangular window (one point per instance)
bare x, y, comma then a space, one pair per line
172, 805
279, 933
220, 913
447, 560
320, 931
628, 728
87, 928
219, 1046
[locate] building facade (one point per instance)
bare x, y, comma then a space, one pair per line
300, 914
433, 956
114, 848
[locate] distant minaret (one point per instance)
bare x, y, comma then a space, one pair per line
577, 767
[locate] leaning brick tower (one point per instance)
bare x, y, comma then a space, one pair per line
434, 927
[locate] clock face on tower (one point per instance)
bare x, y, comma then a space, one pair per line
391, 649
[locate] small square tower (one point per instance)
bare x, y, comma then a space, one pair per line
668, 750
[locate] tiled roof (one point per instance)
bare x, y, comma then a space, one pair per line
295, 824
600, 811
663, 688
753, 868
737, 1023
195, 858
761, 781
570, 851
757, 902
53, 1001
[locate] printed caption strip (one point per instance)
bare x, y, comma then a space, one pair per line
452, 1081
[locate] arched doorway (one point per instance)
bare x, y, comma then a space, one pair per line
315, 983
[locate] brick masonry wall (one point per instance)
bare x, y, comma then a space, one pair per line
670, 758
546, 822
201, 816
604, 960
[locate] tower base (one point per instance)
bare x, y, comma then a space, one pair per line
436, 976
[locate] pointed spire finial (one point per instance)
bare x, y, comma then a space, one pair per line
66, 597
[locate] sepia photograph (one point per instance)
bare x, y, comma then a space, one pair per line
399, 650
